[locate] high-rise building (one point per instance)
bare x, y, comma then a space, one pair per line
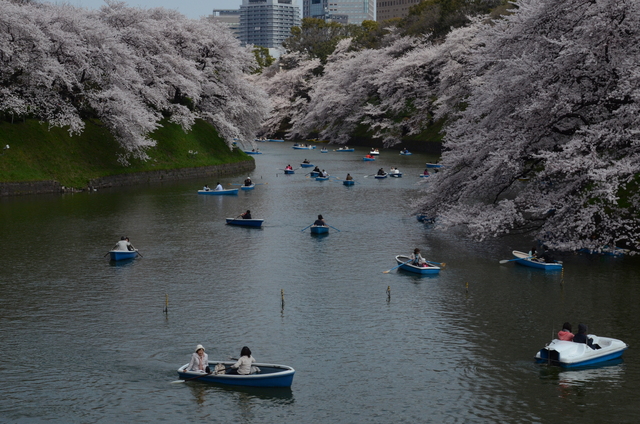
341, 11
387, 9
267, 23
229, 18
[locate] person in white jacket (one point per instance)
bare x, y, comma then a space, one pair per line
243, 366
199, 361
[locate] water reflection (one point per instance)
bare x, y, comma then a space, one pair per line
245, 397
123, 262
577, 381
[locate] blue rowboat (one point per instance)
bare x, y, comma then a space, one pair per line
348, 182
289, 171
569, 354
319, 229
245, 222
366, 159
119, 255
424, 175
395, 174
219, 192
423, 270
381, 176
323, 150
303, 147
249, 187
270, 375
313, 174
344, 150
526, 260
249, 152
275, 140
322, 178
306, 165
406, 153
433, 165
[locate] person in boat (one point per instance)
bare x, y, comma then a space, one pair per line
199, 361
123, 244
305, 161
129, 245
426, 172
248, 182
581, 337
288, 167
320, 221
565, 334
546, 256
244, 364
324, 173
316, 169
206, 188
417, 259
381, 171
533, 252
246, 215
219, 187
349, 177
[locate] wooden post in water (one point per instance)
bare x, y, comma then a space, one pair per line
282, 297
388, 293
166, 303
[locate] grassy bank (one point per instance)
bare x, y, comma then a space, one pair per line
37, 153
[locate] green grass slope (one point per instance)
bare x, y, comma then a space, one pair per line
37, 153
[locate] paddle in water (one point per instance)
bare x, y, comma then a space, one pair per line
504, 261
397, 266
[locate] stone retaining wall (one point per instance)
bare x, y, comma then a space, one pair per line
148, 177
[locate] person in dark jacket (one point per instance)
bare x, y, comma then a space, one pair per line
581, 336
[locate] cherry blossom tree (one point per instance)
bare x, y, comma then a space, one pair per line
546, 142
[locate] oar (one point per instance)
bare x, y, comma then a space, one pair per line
333, 227
140, 254
106, 254
504, 261
440, 264
192, 378
305, 228
398, 266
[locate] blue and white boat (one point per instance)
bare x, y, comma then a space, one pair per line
381, 176
322, 178
395, 174
570, 354
367, 159
314, 174
119, 255
247, 187
319, 229
289, 171
526, 260
219, 192
423, 270
307, 165
275, 140
270, 375
252, 152
348, 182
433, 165
303, 147
405, 152
424, 175
324, 150
345, 149
245, 222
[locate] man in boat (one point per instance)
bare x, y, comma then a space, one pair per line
417, 259
123, 244
320, 221
219, 187
246, 215
247, 182
381, 171
324, 173
581, 337
349, 177
305, 161
316, 169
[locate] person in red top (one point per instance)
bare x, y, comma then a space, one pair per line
565, 334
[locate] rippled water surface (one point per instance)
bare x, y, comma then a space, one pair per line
86, 340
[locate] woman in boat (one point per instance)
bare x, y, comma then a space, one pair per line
243, 366
123, 244
206, 188
248, 182
199, 361
319, 221
288, 167
219, 187
325, 173
316, 169
246, 215
381, 171
349, 177
426, 172
417, 259
565, 334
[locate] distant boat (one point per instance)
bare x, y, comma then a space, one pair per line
428, 269
323, 150
374, 152
270, 375
275, 140
433, 165
306, 165
252, 152
570, 354
322, 178
526, 260
248, 187
424, 175
345, 149
348, 182
289, 171
219, 192
319, 229
313, 174
366, 158
245, 222
303, 147
381, 176
119, 255
396, 174
405, 152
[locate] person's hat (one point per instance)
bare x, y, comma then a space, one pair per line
123, 238
199, 347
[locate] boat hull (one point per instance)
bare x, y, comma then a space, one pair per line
289, 171
380, 177
314, 174
319, 229
433, 165
324, 151
322, 178
275, 140
396, 175
406, 154
249, 187
570, 354
533, 263
422, 270
348, 182
270, 375
368, 159
252, 153
345, 150
303, 148
230, 191
245, 222
307, 165
120, 255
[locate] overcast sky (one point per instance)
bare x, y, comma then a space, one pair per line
191, 8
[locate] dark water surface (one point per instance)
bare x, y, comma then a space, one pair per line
84, 340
